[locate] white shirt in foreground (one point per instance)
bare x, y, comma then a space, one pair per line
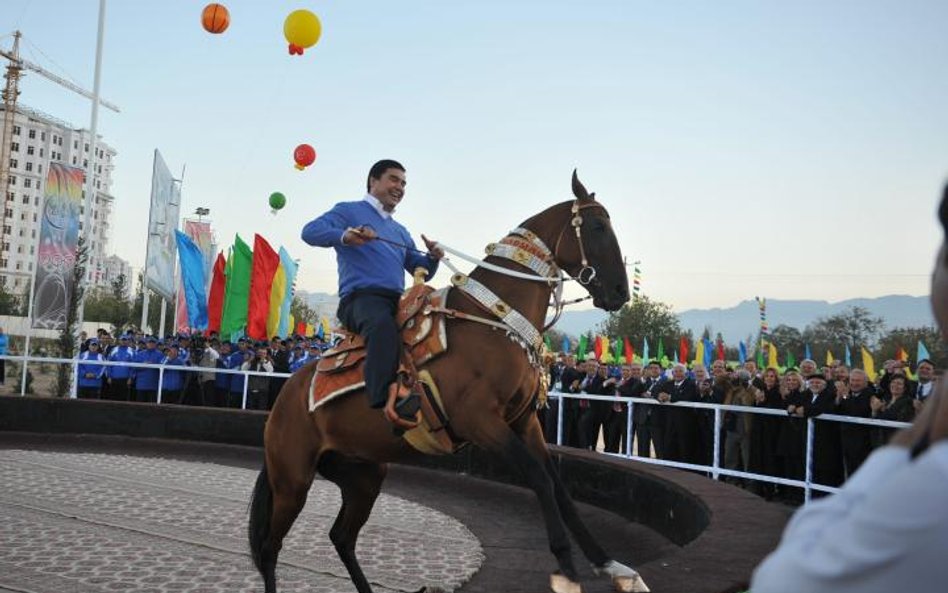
886, 530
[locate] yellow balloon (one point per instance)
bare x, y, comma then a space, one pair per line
302, 29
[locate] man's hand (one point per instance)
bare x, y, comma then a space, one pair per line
434, 251
356, 236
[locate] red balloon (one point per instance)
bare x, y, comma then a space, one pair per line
304, 155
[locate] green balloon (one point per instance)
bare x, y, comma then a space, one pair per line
277, 200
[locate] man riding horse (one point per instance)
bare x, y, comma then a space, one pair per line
373, 251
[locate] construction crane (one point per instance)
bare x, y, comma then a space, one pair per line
10, 93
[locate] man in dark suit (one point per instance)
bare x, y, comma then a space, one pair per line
570, 378
681, 426
631, 385
593, 412
853, 400
827, 457
649, 416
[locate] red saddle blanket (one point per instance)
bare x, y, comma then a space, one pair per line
422, 328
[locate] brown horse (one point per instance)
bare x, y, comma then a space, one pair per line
487, 382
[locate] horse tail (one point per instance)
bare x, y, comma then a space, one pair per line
261, 508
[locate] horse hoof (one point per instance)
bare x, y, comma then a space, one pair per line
630, 584
562, 584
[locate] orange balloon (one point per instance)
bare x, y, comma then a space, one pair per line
215, 18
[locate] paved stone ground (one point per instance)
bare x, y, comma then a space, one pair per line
103, 522
505, 519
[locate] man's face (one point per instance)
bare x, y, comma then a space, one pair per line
242, 346
654, 370
626, 372
590, 367
857, 382
751, 367
389, 188
678, 373
151, 345
700, 374
926, 372
817, 385
717, 368
636, 371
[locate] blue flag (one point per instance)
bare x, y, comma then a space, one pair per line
645, 351
708, 353
742, 352
565, 345
806, 354
194, 280
922, 353
849, 357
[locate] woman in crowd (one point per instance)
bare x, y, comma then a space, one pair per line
765, 432
899, 408
791, 439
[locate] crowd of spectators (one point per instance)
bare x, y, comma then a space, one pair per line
192, 362
765, 444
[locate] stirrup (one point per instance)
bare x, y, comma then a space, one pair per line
402, 407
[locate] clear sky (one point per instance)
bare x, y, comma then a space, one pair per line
783, 149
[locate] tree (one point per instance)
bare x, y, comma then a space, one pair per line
644, 318
854, 327
302, 312
10, 303
908, 338
556, 338
69, 335
154, 306
788, 339
102, 305
119, 287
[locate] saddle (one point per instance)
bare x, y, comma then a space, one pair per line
422, 328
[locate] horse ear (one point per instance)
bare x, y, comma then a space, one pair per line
578, 189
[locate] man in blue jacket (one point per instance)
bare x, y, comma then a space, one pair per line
173, 380
146, 380
373, 252
90, 374
118, 375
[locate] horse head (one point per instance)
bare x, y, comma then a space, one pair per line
591, 253
939, 295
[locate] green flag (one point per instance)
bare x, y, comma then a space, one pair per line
791, 361
661, 349
237, 290
583, 344
760, 358
617, 350
549, 346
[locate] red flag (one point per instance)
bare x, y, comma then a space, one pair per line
598, 348
720, 349
683, 350
301, 328
265, 263
901, 354
215, 299
629, 351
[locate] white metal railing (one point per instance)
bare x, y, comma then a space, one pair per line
161, 368
715, 469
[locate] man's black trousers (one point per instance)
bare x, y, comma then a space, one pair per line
371, 314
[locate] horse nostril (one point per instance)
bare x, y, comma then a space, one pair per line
622, 290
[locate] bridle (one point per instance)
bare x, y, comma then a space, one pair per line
524, 247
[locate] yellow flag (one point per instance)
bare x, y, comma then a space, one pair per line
326, 329
772, 356
868, 365
606, 353
292, 329
829, 358
310, 330
699, 352
277, 290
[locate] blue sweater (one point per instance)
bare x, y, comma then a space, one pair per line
376, 264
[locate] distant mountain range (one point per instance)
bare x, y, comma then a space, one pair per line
736, 323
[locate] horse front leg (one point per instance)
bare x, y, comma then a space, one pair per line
624, 578
499, 438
